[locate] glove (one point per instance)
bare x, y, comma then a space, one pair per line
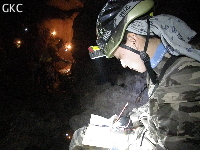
136, 122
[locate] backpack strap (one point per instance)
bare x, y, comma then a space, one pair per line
169, 62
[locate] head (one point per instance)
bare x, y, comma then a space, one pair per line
118, 16
111, 28
137, 42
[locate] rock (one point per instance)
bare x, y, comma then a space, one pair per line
106, 100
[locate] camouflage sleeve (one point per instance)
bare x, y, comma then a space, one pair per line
76, 142
181, 83
175, 106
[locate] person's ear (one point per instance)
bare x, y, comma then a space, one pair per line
131, 37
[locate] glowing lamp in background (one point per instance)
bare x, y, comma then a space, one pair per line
17, 43
67, 47
53, 33
68, 136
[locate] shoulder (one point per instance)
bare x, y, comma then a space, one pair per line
185, 65
181, 81
183, 70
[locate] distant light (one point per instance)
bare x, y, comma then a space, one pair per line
67, 47
26, 29
53, 33
66, 72
68, 136
18, 43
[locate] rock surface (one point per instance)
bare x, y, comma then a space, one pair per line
106, 100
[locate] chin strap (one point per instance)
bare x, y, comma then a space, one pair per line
144, 56
146, 59
129, 48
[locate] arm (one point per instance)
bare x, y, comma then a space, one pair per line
174, 107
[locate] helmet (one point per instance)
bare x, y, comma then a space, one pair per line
114, 19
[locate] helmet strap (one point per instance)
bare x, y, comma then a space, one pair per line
148, 35
129, 48
144, 56
146, 59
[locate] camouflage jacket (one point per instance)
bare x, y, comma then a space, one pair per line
174, 107
171, 118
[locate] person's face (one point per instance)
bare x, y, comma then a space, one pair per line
129, 58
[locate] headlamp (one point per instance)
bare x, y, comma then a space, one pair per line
95, 52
